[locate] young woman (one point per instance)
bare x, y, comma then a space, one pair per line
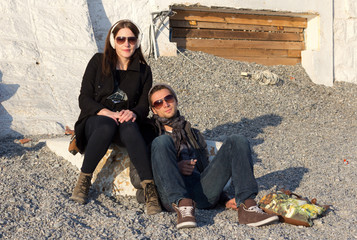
113, 102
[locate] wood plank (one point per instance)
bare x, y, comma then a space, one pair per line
176, 8
237, 52
189, 42
251, 19
213, 25
226, 34
264, 39
268, 61
294, 53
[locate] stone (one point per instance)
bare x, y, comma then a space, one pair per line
112, 173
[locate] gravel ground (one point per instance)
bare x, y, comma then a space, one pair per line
300, 134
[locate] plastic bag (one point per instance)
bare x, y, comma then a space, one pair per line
292, 208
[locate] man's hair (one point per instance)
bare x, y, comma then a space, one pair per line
158, 87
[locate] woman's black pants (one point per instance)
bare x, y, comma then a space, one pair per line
101, 131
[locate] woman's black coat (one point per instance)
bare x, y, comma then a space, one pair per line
96, 88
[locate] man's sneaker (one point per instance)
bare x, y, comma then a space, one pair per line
185, 213
254, 216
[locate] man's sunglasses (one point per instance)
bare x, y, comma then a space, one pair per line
158, 103
131, 40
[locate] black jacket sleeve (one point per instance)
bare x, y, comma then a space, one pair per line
87, 96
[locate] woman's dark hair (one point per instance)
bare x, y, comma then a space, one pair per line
110, 58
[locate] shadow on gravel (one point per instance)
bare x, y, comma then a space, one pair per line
289, 178
250, 128
9, 148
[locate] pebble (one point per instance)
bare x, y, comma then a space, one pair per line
297, 130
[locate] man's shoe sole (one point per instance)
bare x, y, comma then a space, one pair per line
187, 225
264, 222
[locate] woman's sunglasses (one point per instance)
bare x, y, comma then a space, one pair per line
158, 103
131, 40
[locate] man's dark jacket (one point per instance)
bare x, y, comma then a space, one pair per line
150, 130
96, 88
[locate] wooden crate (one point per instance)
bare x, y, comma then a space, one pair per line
264, 39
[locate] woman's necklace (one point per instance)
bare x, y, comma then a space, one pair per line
122, 66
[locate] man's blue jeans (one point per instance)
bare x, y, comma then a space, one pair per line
232, 160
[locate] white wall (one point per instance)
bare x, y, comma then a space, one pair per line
345, 40
45, 47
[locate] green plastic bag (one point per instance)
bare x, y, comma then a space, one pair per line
292, 208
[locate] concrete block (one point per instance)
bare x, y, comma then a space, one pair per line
351, 8
60, 147
351, 30
339, 30
339, 9
343, 56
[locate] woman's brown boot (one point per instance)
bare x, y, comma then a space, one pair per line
80, 192
153, 205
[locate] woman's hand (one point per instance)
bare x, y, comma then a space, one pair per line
126, 115
118, 117
106, 112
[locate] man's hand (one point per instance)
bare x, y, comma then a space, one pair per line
231, 204
186, 166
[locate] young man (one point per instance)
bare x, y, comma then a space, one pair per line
184, 177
